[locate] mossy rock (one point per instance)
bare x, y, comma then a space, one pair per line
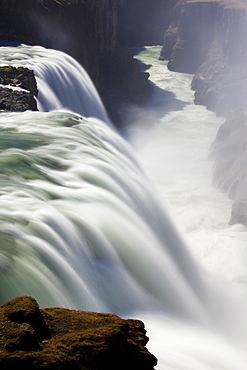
57, 338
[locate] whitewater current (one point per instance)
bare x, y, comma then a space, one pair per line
85, 226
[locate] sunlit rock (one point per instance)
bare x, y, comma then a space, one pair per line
57, 338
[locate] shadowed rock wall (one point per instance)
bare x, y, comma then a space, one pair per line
207, 38
189, 36
82, 28
143, 22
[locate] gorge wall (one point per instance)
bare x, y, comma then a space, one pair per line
208, 39
143, 22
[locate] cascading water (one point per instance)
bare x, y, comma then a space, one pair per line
62, 82
81, 227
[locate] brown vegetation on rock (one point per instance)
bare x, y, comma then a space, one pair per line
57, 338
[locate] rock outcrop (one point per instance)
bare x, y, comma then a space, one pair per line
189, 36
62, 339
84, 29
18, 89
206, 38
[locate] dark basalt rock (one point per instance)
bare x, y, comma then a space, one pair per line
62, 339
19, 77
134, 83
143, 22
16, 100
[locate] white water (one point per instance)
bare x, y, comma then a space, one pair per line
63, 83
82, 227
175, 154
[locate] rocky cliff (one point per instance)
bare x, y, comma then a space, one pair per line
61, 339
86, 30
208, 38
189, 36
143, 22
220, 82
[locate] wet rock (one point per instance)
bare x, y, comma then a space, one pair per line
18, 77
18, 89
16, 101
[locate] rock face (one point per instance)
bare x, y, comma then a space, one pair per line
143, 22
229, 151
206, 38
18, 89
189, 36
61, 339
220, 82
84, 29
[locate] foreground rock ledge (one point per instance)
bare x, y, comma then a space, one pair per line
57, 338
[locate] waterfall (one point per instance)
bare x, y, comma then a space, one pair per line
82, 227
62, 82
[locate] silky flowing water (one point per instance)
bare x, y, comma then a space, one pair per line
84, 227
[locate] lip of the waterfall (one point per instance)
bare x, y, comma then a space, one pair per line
80, 95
